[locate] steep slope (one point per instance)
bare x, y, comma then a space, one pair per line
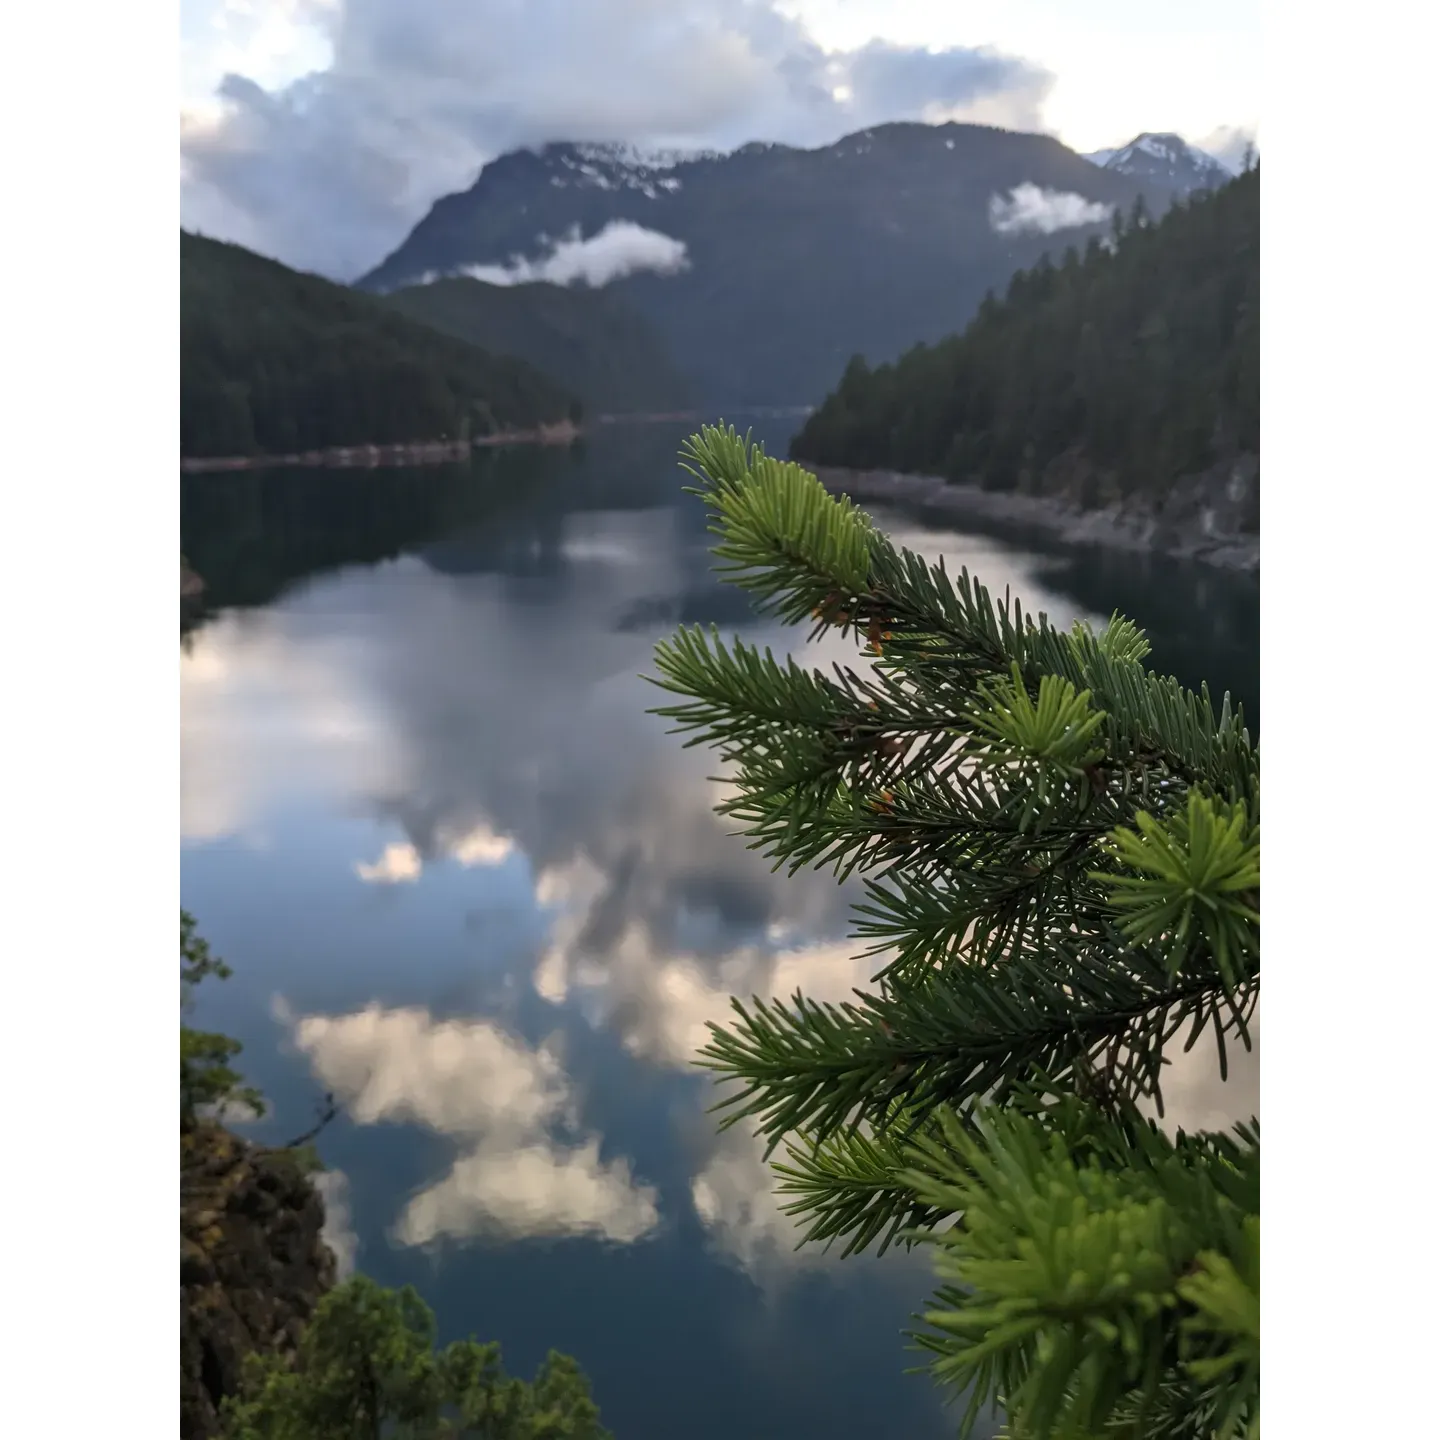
253, 1264
590, 340
796, 258
273, 361
1129, 376
1164, 160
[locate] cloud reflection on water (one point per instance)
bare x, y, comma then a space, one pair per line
509, 1108
484, 712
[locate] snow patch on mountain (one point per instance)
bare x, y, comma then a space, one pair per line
620, 167
1164, 159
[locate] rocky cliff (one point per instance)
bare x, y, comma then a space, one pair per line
253, 1265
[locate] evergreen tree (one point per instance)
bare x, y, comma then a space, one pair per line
1119, 373
208, 1081
273, 361
1060, 852
367, 1368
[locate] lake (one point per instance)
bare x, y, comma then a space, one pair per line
471, 888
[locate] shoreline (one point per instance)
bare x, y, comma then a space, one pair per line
370, 457
1113, 527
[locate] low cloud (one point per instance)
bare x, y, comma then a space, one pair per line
521, 1171
1028, 208
621, 248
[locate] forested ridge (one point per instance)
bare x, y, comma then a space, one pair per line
591, 340
273, 361
1107, 376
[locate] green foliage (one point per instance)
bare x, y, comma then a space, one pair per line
1060, 854
590, 340
273, 361
367, 1366
207, 1079
1113, 374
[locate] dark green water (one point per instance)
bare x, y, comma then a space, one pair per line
469, 886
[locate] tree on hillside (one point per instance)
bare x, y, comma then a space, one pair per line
274, 361
1060, 852
1112, 375
367, 1367
208, 1080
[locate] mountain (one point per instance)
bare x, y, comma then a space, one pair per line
591, 340
1114, 378
274, 362
796, 259
1166, 161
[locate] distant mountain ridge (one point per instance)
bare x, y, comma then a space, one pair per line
590, 340
795, 259
1160, 158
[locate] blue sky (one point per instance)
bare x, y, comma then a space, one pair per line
319, 131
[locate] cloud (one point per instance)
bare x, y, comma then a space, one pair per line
619, 965
537, 1190
1228, 144
330, 171
402, 863
1195, 1096
504, 1104
240, 672
480, 846
338, 1231
621, 248
398, 864
1029, 208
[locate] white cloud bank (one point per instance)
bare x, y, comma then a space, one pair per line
1028, 208
501, 1102
621, 248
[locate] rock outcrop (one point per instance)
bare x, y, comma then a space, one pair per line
253, 1265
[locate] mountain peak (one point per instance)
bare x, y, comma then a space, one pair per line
1164, 158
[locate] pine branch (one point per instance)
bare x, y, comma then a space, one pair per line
1074, 1254
1061, 862
964, 1033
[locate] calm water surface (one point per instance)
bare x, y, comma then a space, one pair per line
468, 886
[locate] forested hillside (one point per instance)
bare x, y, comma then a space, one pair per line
590, 340
1109, 375
273, 361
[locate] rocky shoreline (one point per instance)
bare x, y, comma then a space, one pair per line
370, 457
1203, 520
